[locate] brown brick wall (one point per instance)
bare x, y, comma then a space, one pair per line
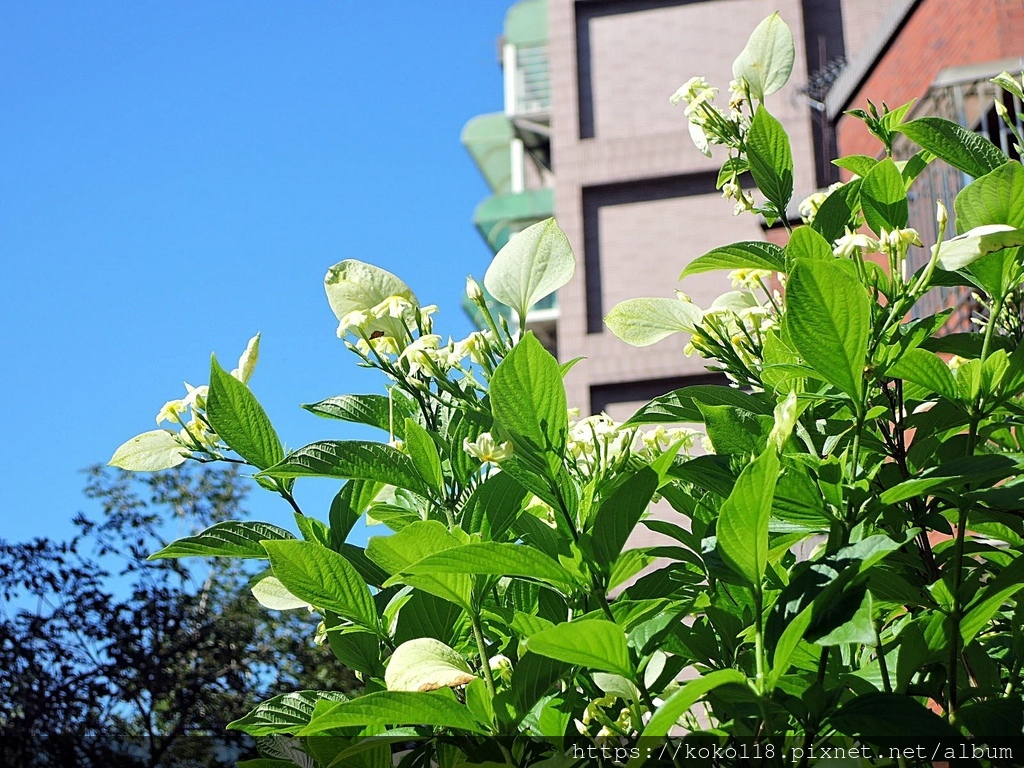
938, 34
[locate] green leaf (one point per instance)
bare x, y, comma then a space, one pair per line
742, 528
771, 160
322, 578
668, 714
493, 506
355, 286
985, 605
534, 263
619, 513
791, 637
492, 558
766, 62
287, 713
425, 457
829, 319
965, 249
684, 404
150, 452
227, 539
528, 402
926, 369
374, 410
883, 197
352, 459
963, 149
413, 543
734, 431
967, 469
890, 718
860, 165
839, 211
642, 322
591, 643
749, 254
426, 664
395, 708
807, 243
348, 506
995, 198
240, 420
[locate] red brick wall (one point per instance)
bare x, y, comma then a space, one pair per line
938, 34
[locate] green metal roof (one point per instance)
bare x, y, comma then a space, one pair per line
527, 22
499, 216
487, 139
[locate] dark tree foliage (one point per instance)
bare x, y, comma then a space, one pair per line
108, 660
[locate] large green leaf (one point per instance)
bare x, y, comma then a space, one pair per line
352, 459
534, 263
493, 506
985, 605
322, 578
287, 713
749, 254
379, 411
807, 243
395, 708
227, 539
150, 452
892, 719
240, 420
413, 543
965, 150
771, 160
926, 369
619, 513
591, 643
967, 469
742, 528
495, 559
995, 198
766, 62
348, 506
642, 322
884, 198
528, 402
829, 319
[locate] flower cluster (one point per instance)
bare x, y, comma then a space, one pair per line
707, 123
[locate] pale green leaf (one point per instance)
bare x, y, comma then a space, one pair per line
426, 664
967, 248
766, 61
534, 263
271, 593
353, 286
642, 322
150, 452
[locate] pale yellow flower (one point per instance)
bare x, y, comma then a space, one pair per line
485, 448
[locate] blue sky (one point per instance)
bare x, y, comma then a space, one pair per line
175, 177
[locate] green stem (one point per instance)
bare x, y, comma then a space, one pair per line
759, 638
886, 682
481, 647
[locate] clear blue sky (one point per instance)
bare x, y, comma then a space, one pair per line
177, 176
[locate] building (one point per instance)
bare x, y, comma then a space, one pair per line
588, 135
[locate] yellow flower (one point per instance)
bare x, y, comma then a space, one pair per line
247, 362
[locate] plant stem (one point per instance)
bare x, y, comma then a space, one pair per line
886, 682
481, 647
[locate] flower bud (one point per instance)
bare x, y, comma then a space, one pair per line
473, 289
